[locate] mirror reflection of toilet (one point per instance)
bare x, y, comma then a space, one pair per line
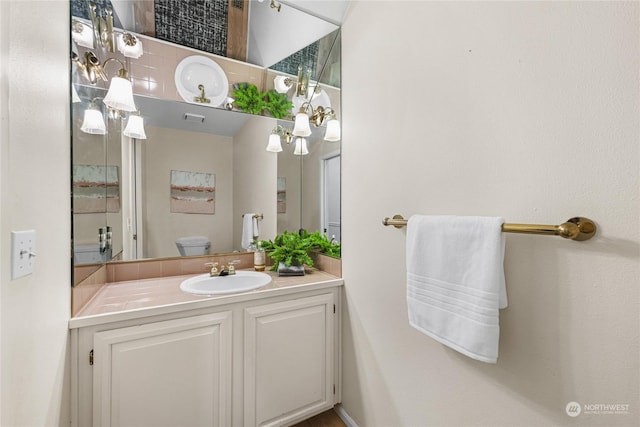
194, 245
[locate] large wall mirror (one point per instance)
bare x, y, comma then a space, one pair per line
199, 168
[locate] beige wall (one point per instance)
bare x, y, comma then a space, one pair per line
172, 149
289, 169
252, 191
526, 110
34, 194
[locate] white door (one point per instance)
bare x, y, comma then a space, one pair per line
171, 373
331, 196
288, 361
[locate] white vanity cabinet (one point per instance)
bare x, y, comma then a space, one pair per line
288, 360
268, 361
168, 373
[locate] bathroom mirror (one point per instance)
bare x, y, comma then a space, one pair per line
105, 167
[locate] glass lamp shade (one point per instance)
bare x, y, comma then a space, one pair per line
93, 122
82, 35
301, 147
301, 125
120, 95
132, 49
135, 128
333, 131
275, 146
280, 85
74, 95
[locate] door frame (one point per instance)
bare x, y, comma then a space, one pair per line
323, 190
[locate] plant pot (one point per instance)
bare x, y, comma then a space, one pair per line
290, 270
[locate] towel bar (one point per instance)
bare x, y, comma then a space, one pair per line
257, 216
577, 228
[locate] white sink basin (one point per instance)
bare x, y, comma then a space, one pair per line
242, 281
197, 70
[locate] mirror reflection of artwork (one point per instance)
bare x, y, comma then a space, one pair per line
282, 195
193, 192
95, 189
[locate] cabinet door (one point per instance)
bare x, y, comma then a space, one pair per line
288, 360
171, 373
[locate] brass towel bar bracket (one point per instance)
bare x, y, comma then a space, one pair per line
256, 216
577, 228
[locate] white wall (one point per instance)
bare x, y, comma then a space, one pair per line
526, 110
252, 192
165, 150
34, 193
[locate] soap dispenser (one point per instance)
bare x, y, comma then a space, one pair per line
259, 257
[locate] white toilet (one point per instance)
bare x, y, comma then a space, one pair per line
195, 245
90, 254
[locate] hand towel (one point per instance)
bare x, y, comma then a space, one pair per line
455, 281
249, 230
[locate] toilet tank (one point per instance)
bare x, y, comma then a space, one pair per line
194, 245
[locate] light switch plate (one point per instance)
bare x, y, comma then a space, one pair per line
23, 253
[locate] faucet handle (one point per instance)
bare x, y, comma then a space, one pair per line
232, 266
214, 267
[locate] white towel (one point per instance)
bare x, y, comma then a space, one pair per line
455, 281
249, 230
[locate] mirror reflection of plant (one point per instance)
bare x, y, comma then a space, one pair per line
278, 104
248, 98
322, 244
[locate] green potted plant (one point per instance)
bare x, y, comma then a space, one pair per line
248, 98
278, 104
321, 243
289, 252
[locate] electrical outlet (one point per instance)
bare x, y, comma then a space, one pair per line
23, 253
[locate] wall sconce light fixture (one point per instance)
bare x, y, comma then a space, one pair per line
300, 148
135, 127
319, 116
301, 125
120, 93
282, 84
103, 26
93, 121
275, 5
275, 138
81, 34
129, 45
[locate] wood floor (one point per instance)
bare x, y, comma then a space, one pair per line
325, 419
